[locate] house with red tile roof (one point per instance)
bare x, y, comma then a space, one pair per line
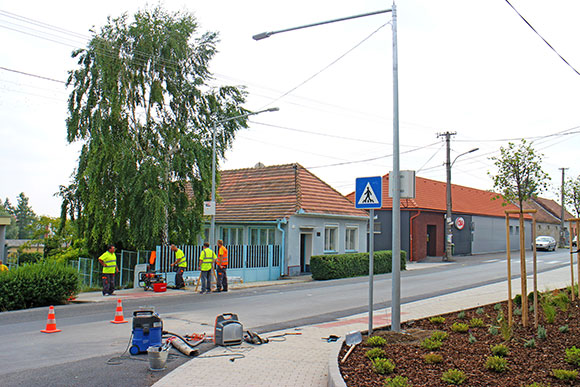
478, 218
287, 206
548, 218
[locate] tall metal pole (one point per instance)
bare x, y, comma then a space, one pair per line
371, 266
396, 181
562, 241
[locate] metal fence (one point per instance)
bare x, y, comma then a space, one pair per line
90, 270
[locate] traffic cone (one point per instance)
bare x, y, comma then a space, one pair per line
119, 319
50, 322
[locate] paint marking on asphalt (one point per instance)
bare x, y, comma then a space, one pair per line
491, 260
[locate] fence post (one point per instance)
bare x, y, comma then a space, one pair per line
121, 271
91, 278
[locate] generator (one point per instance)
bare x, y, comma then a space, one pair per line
228, 330
147, 330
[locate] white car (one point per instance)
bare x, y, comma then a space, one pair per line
545, 243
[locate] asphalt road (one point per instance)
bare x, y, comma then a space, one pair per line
90, 351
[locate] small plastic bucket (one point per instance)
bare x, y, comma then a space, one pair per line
157, 358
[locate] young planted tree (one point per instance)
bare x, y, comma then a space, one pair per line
142, 107
520, 177
572, 194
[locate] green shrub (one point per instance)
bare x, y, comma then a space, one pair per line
374, 353
376, 341
518, 298
564, 329
506, 329
518, 311
549, 312
542, 333
431, 344
476, 322
439, 335
537, 385
531, 343
562, 301
437, 320
493, 330
500, 350
32, 257
459, 327
573, 356
497, 307
333, 266
471, 339
383, 366
39, 284
565, 374
397, 381
454, 376
432, 358
479, 311
496, 364
461, 315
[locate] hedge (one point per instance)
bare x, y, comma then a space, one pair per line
40, 284
324, 267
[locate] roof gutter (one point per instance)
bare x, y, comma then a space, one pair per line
337, 216
411, 235
279, 223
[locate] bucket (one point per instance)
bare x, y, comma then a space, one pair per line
159, 287
157, 358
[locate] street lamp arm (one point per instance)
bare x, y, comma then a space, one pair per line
264, 35
274, 109
463, 154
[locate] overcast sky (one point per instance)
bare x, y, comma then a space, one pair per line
471, 67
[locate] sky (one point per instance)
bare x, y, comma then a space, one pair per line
470, 67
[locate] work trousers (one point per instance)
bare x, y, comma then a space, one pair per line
179, 278
108, 283
222, 279
206, 281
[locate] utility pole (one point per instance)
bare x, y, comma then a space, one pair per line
448, 221
562, 224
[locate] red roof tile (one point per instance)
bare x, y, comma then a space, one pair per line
431, 195
553, 207
274, 192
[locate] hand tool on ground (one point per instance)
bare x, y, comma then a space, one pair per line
351, 339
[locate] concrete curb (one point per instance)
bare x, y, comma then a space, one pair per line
334, 377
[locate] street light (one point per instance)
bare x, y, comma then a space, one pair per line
396, 235
213, 163
448, 221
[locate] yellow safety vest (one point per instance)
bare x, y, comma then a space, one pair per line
207, 258
110, 261
180, 257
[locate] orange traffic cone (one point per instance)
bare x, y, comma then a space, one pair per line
50, 322
119, 319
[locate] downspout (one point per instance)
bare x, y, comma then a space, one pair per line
411, 236
279, 223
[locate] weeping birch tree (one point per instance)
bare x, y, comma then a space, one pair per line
142, 105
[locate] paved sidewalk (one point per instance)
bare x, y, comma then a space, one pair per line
308, 360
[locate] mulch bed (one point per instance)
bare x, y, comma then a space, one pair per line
526, 365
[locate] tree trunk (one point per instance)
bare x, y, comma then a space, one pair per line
523, 272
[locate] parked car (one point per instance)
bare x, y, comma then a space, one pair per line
575, 241
545, 243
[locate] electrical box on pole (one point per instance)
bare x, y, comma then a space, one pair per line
406, 185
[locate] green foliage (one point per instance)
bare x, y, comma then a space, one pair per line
439, 335
496, 364
431, 344
535, 384
564, 329
25, 217
471, 338
561, 301
374, 353
493, 330
573, 356
143, 107
519, 173
432, 358
383, 366
454, 376
397, 381
517, 312
333, 266
572, 194
12, 228
565, 374
549, 312
29, 257
500, 350
40, 284
480, 311
497, 307
459, 327
531, 343
376, 341
476, 322
542, 333
437, 320
461, 315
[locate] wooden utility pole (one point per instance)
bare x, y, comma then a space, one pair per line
448, 221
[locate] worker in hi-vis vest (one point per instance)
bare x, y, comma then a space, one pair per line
221, 265
206, 260
180, 264
109, 262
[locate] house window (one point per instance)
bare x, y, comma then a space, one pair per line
511, 229
330, 238
351, 238
232, 235
377, 227
261, 236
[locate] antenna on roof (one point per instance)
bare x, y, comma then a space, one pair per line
259, 165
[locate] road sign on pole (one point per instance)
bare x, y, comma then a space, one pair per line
369, 192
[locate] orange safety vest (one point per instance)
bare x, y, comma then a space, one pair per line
222, 260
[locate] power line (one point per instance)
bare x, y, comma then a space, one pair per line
32, 75
541, 37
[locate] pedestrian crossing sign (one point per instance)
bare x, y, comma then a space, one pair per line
369, 192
